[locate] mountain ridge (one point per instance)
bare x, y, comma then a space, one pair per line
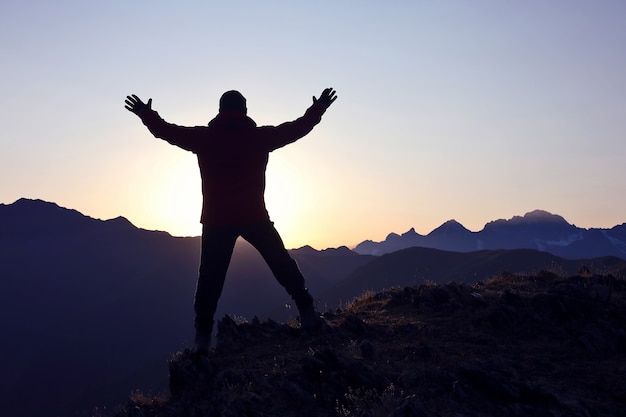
419, 265
110, 299
537, 229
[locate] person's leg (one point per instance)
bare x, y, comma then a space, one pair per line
217, 249
265, 238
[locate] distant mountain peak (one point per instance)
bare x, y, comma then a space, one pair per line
306, 249
453, 223
33, 204
25, 214
121, 223
532, 217
537, 229
340, 251
309, 250
36, 217
23, 200
451, 226
543, 216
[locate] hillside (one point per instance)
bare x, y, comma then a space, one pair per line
90, 308
416, 265
514, 345
111, 301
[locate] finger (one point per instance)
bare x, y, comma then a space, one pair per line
149, 103
137, 99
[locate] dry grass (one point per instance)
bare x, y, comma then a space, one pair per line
513, 345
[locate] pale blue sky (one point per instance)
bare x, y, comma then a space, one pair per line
472, 110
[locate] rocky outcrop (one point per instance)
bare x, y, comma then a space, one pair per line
511, 346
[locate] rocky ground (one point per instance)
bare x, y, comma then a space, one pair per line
539, 345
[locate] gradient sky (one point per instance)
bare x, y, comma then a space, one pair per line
468, 110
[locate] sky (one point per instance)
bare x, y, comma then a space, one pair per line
468, 110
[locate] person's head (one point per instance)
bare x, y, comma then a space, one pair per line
233, 101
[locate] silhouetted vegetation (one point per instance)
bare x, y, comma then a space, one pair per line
515, 345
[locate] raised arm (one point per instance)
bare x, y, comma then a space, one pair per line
181, 136
289, 132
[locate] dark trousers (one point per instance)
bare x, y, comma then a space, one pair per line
217, 248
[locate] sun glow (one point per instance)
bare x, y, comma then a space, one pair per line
181, 204
302, 200
173, 200
286, 199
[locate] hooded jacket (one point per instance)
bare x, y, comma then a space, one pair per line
232, 155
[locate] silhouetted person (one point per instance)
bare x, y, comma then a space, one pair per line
232, 154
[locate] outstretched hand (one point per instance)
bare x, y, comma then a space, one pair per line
135, 105
326, 98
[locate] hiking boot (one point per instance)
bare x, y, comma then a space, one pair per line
201, 344
311, 320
